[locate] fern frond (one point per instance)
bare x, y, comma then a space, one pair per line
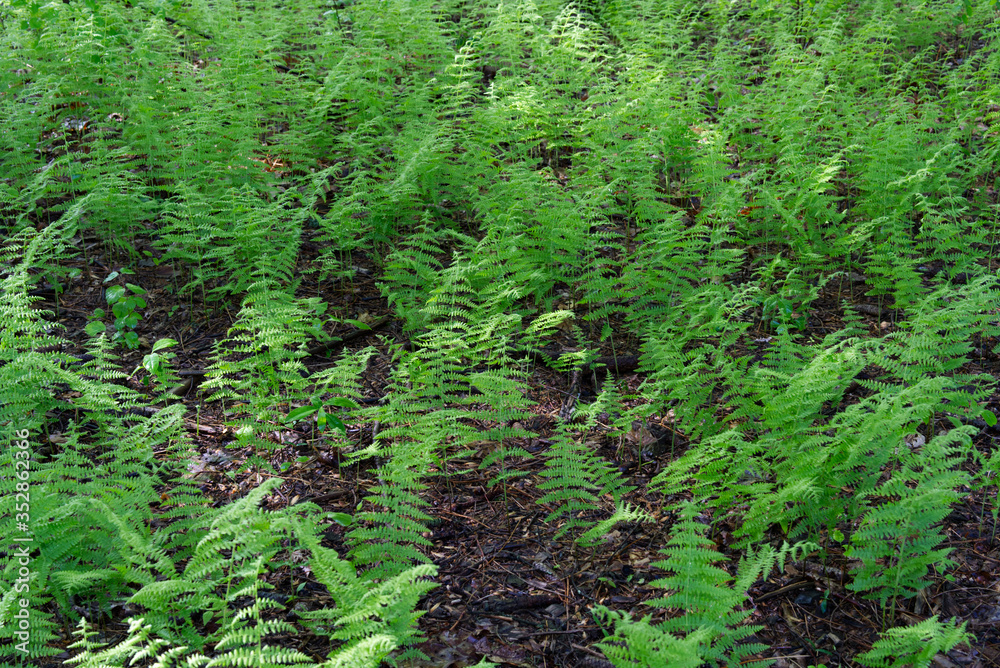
915, 646
576, 480
709, 625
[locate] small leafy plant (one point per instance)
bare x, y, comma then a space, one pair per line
158, 363
323, 419
124, 301
781, 314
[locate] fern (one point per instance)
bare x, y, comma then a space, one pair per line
235, 546
271, 335
709, 621
362, 611
915, 645
366, 624
896, 541
397, 520
577, 479
639, 643
690, 174
27, 376
938, 340
425, 414
687, 357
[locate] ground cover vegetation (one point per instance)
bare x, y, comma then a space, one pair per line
534, 333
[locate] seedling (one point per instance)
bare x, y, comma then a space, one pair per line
155, 361
323, 419
781, 313
123, 300
158, 364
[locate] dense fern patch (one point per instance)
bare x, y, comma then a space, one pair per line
717, 274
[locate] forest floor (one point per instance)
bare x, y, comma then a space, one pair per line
825, 147
509, 590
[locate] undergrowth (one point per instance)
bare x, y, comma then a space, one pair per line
695, 176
